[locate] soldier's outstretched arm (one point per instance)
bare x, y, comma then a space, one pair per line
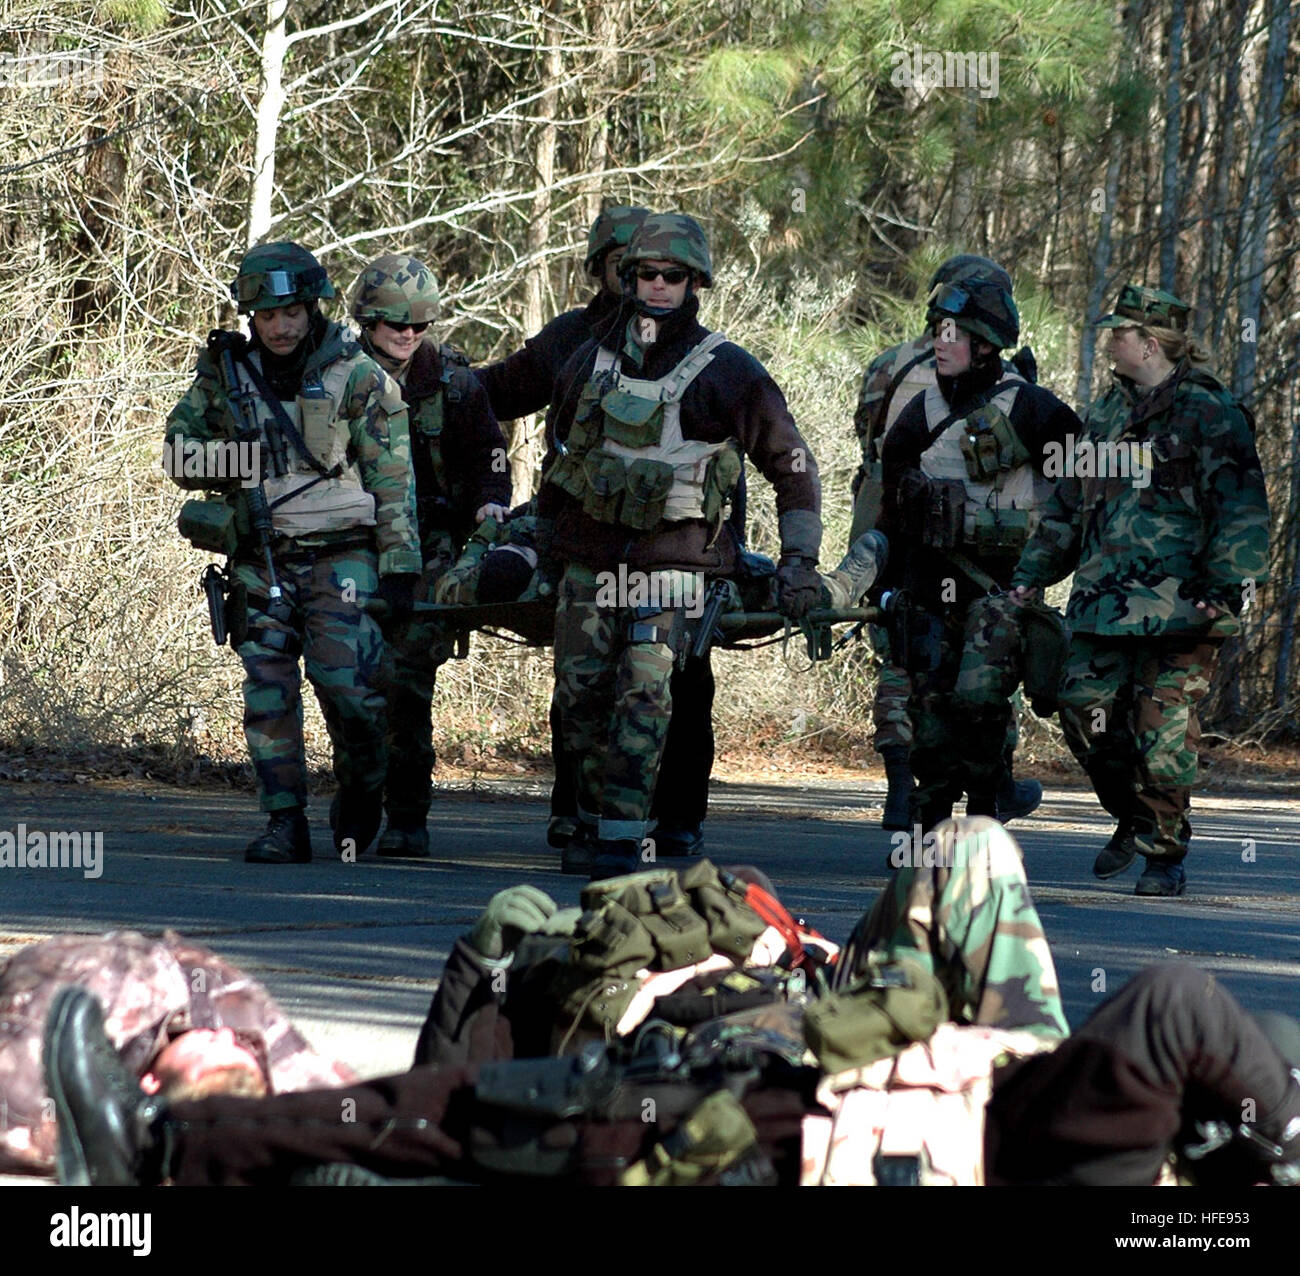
377, 424
1053, 551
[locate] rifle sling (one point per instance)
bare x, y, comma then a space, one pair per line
286, 425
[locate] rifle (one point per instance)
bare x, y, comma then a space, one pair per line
259, 511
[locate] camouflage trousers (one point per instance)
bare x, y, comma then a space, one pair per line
963, 713
1128, 710
613, 667
893, 689
960, 906
413, 653
341, 649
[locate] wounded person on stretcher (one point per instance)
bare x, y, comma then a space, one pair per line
1170, 1065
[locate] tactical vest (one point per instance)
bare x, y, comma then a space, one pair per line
914, 1120
625, 458
1003, 495
302, 501
908, 376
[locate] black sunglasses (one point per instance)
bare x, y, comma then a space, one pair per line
649, 274
402, 327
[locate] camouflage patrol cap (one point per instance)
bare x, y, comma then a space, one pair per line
671, 237
982, 307
1138, 305
397, 288
272, 275
969, 266
614, 228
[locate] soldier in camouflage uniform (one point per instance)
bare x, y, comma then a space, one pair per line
329, 429
523, 383
960, 906
892, 379
461, 478
1167, 536
646, 435
963, 484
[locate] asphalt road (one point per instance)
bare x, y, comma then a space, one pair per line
353, 951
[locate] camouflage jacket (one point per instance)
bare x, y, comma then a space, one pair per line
457, 449
376, 422
151, 990
1179, 514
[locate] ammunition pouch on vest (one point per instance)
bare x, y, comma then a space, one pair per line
881, 1013
1001, 531
210, 525
943, 516
989, 445
625, 458
657, 921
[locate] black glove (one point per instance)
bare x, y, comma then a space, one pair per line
798, 587
398, 591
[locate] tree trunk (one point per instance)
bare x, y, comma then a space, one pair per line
1100, 269
524, 448
270, 103
1259, 203
604, 25
1173, 128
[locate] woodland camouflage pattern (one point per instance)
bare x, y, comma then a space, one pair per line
614, 228
671, 237
970, 921
1147, 306
1143, 557
399, 289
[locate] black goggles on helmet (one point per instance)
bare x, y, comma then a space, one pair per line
276, 283
948, 299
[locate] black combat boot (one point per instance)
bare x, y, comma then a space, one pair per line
897, 800
108, 1126
287, 840
578, 854
616, 858
675, 841
355, 817
1016, 798
560, 830
404, 838
1117, 854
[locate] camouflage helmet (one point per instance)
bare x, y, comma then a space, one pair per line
982, 307
671, 237
1139, 306
272, 275
614, 228
969, 266
399, 289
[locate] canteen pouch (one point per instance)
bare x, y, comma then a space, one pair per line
880, 1014
605, 475
1047, 645
647, 484
631, 420
209, 525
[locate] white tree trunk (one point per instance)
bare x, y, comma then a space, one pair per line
270, 102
